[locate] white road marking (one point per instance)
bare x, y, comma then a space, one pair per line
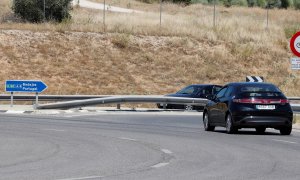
166, 151
82, 178
14, 112
278, 140
57, 130
128, 139
159, 165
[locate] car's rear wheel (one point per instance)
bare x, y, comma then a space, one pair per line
286, 130
260, 130
230, 129
206, 123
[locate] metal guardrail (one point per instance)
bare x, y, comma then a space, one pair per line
88, 100
124, 99
293, 98
296, 107
20, 97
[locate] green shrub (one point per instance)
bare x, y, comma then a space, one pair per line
186, 2
239, 3
261, 3
149, 1
201, 1
297, 4
285, 4
33, 10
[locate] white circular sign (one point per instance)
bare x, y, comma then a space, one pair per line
297, 44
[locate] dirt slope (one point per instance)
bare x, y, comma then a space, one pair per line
95, 63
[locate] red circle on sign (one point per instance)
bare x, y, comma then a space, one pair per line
292, 42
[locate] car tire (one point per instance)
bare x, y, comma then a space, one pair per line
230, 129
207, 126
260, 130
286, 130
188, 107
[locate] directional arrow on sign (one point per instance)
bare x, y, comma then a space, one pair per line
25, 86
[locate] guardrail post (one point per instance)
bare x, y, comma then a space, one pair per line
118, 106
165, 106
36, 99
11, 99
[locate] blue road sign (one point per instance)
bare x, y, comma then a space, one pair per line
25, 86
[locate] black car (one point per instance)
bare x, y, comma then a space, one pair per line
249, 105
193, 91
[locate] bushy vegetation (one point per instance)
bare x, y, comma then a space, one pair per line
297, 4
33, 10
254, 3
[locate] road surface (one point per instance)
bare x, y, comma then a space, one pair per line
138, 146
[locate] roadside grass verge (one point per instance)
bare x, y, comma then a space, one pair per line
137, 56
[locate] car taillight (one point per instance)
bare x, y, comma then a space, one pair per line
261, 101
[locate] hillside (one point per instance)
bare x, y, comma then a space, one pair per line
136, 56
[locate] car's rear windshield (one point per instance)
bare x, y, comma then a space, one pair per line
259, 90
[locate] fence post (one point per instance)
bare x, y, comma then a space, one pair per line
214, 13
44, 10
160, 11
104, 5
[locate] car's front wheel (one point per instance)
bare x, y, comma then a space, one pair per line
230, 129
286, 130
206, 123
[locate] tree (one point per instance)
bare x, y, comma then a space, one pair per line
33, 10
285, 4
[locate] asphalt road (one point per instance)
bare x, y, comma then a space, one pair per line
139, 146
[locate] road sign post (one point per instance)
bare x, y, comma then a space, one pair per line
25, 86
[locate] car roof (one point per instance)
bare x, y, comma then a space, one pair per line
205, 85
248, 83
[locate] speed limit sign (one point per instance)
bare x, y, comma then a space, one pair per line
295, 44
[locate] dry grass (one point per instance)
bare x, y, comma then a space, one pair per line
136, 56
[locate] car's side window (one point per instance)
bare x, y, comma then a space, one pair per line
222, 92
206, 90
187, 90
216, 89
229, 91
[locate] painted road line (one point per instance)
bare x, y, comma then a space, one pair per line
128, 139
14, 112
56, 130
83, 178
279, 140
159, 165
166, 151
